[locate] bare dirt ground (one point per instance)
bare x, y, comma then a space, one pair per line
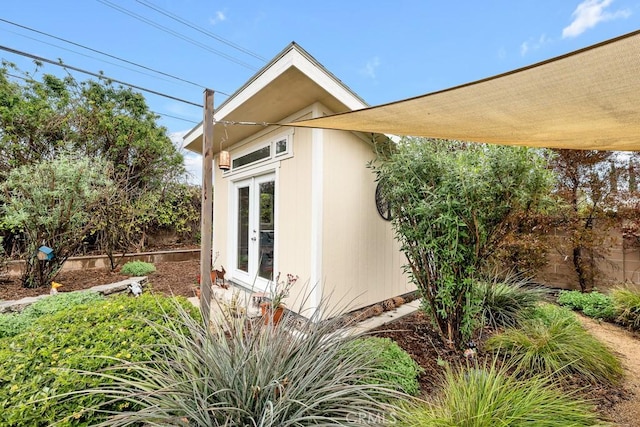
626, 346
170, 278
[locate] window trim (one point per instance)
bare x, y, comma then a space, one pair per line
273, 156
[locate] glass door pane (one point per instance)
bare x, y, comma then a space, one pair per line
266, 215
242, 257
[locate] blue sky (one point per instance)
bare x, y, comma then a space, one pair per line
383, 50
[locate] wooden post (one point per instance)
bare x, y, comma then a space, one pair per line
206, 224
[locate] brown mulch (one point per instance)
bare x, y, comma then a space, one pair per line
170, 278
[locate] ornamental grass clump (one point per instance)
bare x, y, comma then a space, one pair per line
554, 343
627, 305
489, 397
505, 302
239, 372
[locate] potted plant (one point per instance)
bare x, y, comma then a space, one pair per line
273, 310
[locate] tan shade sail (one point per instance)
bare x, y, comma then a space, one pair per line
588, 99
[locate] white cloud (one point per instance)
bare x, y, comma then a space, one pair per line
177, 138
369, 69
192, 161
534, 44
193, 165
220, 16
502, 53
590, 13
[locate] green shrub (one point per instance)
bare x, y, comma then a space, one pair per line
489, 397
15, 323
505, 302
242, 373
592, 304
627, 306
554, 343
394, 365
39, 365
137, 268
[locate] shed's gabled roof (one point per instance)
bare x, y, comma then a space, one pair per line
292, 81
588, 99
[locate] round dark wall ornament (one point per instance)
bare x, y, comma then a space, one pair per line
384, 208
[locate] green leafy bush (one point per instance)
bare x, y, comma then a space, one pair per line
243, 373
15, 323
505, 302
592, 304
489, 397
627, 306
137, 268
394, 365
39, 366
554, 343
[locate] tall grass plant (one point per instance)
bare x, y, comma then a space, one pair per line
489, 397
554, 343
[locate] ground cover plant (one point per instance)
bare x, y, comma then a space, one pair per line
137, 268
14, 323
239, 373
554, 343
592, 304
42, 363
394, 365
487, 396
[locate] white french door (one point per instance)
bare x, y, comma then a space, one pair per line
253, 217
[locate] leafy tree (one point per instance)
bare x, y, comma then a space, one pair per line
3, 261
40, 118
588, 185
451, 206
52, 202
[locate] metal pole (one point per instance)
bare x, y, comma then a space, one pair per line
206, 229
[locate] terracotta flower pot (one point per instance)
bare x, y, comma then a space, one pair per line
270, 314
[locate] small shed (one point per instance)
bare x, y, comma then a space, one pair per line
300, 200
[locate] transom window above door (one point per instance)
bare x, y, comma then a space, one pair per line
272, 150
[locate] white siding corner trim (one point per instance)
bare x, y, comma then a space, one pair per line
317, 212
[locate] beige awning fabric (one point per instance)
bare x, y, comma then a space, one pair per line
588, 99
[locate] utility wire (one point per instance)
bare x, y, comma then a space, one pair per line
105, 54
199, 29
176, 34
100, 76
15, 76
87, 56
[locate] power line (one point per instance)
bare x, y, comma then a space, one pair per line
200, 29
176, 34
15, 76
87, 56
105, 54
176, 117
100, 76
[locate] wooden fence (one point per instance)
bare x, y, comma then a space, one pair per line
621, 264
